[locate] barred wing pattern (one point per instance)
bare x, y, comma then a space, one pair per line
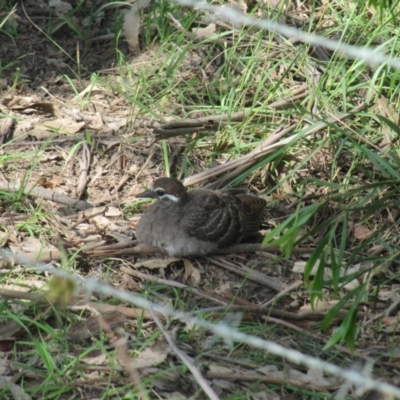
223, 219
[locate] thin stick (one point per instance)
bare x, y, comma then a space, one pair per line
152, 278
47, 194
250, 274
220, 169
286, 290
185, 359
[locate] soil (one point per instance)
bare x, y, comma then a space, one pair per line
77, 137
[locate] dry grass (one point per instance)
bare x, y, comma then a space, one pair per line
97, 122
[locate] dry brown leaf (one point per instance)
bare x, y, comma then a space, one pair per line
128, 283
156, 263
63, 125
101, 221
112, 212
40, 107
299, 267
132, 23
361, 232
391, 294
315, 373
151, 356
131, 28
382, 106
50, 184
117, 123
217, 368
241, 5
95, 325
33, 248
390, 324
191, 273
207, 32
128, 311
32, 245
319, 306
286, 188
101, 359
272, 4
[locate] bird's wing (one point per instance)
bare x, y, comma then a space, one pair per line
251, 204
213, 218
251, 209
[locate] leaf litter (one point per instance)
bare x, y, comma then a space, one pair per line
122, 157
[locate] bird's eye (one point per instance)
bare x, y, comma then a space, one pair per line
159, 192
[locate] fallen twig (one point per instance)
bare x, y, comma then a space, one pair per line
262, 151
185, 359
47, 194
250, 274
213, 122
152, 278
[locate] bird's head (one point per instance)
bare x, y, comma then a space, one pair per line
165, 189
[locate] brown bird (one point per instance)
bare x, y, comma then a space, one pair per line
197, 222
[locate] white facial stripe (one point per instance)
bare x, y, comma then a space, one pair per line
169, 196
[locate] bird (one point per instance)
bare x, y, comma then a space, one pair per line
198, 222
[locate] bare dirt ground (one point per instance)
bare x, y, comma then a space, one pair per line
85, 141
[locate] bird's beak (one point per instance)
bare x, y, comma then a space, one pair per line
146, 194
